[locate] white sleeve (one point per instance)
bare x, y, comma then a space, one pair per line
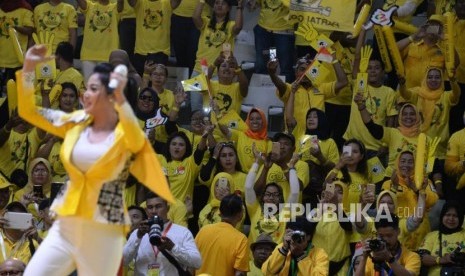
295, 187
250, 196
130, 248
185, 250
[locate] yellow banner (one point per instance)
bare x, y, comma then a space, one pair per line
329, 15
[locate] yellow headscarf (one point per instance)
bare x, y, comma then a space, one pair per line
427, 99
214, 202
412, 131
47, 186
391, 194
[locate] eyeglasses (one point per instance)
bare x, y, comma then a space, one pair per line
11, 272
40, 171
146, 98
275, 195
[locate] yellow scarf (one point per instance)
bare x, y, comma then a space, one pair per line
427, 99
412, 131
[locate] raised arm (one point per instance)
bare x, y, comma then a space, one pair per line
272, 65
341, 77
294, 182
241, 77
197, 16
455, 96
358, 53
289, 110
377, 131
82, 4
239, 18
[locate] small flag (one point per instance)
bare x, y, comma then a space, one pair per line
197, 83
204, 66
321, 41
324, 55
317, 73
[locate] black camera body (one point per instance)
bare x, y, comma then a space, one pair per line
156, 228
298, 236
376, 244
458, 257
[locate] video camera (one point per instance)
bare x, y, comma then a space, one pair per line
376, 244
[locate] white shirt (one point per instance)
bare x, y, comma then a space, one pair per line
185, 251
85, 153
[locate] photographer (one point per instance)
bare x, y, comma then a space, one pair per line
296, 255
158, 238
443, 251
385, 255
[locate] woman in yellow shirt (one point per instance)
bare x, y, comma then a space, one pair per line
222, 185
217, 30
440, 248
434, 105
102, 144
352, 170
256, 133
402, 183
224, 159
320, 152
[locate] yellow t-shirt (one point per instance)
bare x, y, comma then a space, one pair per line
19, 17
449, 244
408, 259
153, 21
19, 250
129, 195
128, 11
230, 119
443, 6
273, 15
455, 150
276, 175
100, 31
254, 270
258, 225
327, 147
417, 58
224, 255
18, 151
314, 97
187, 7
459, 30
244, 148
177, 213
355, 187
397, 143
211, 41
440, 122
336, 248
181, 175
228, 97
57, 19
381, 103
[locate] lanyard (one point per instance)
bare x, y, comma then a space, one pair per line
155, 249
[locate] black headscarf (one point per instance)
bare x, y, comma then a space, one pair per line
145, 116
323, 130
458, 208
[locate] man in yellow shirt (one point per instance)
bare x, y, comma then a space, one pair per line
296, 255
223, 248
385, 254
276, 169
261, 250
64, 56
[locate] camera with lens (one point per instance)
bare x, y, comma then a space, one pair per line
156, 227
298, 236
458, 257
376, 244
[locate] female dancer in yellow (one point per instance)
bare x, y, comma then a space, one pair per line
100, 143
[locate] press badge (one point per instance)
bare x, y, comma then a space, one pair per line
153, 270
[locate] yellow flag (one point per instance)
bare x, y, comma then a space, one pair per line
317, 73
326, 15
376, 169
197, 83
